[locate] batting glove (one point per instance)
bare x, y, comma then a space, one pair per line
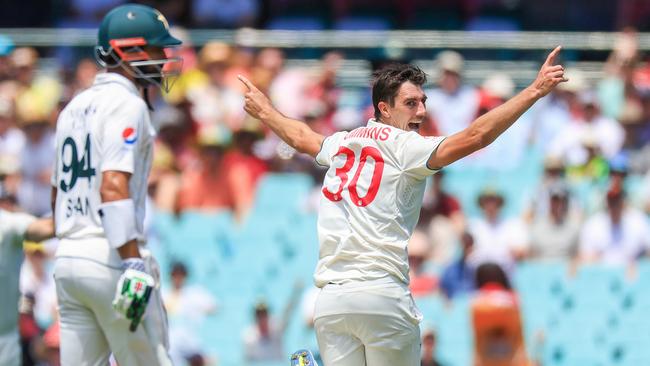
133, 291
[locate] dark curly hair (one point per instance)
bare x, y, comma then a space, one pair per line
387, 81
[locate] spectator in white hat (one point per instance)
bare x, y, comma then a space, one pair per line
452, 105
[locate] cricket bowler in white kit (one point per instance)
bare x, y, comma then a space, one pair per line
371, 199
14, 228
105, 278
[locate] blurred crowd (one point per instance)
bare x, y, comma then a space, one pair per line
591, 205
586, 15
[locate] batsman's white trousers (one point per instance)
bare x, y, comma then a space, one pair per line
10, 349
371, 323
91, 329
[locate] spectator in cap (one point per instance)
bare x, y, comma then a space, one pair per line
187, 302
214, 103
37, 157
618, 170
617, 236
588, 165
42, 92
554, 173
605, 133
495, 90
497, 239
263, 341
187, 306
552, 115
452, 105
554, 236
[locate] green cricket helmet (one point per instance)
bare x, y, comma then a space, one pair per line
126, 37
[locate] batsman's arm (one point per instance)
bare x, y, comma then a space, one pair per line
118, 219
117, 205
485, 129
295, 133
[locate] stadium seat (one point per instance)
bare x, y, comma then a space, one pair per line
597, 286
630, 353
191, 232
542, 292
280, 194
455, 337
569, 349
432, 308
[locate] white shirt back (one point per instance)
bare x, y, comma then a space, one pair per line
106, 127
371, 200
12, 229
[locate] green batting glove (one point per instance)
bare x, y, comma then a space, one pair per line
132, 295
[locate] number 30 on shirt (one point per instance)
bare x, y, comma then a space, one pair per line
343, 174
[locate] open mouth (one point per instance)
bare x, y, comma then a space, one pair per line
414, 126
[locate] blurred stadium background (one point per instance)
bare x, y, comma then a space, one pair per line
233, 211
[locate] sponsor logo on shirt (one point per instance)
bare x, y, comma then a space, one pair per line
130, 135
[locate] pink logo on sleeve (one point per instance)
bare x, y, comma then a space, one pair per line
130, 135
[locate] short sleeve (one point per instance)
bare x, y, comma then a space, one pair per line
329, 148
416, 151
121, 135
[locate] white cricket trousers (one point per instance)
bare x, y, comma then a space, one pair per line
371, 323
91, 329
10, 354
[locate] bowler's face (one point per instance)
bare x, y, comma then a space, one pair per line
409, 109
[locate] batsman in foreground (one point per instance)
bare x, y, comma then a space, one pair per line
371, 198
105, 278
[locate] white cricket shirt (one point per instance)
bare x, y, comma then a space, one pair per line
12, 230
106, 127
370, 201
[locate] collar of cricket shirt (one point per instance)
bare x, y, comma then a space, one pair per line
112, 77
